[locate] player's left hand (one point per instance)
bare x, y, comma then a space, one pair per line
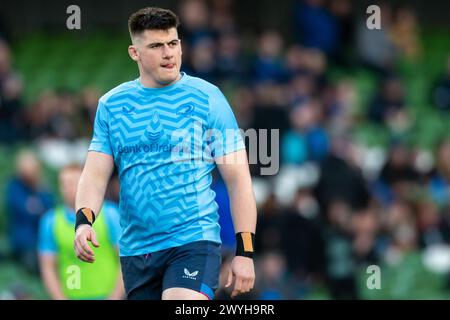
242, 270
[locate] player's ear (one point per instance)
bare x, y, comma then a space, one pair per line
134, 54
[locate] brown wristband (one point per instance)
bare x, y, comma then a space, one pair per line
245, 243
84, 216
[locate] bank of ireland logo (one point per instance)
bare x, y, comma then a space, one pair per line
154, 130
190, 275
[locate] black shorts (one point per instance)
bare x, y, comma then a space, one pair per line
193, 266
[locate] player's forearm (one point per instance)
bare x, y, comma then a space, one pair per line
236, 174
90, 193
243, 205
93, 181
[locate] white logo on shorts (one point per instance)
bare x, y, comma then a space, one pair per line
189, 275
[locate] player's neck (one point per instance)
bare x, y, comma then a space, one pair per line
148, 82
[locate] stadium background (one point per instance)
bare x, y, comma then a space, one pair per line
363, 117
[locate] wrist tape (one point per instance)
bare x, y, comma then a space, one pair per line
84, 216
245, 243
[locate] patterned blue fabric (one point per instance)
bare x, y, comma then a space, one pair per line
164, 142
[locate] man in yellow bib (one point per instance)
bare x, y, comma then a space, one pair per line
63, 274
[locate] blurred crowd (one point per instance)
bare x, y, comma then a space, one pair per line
335, 205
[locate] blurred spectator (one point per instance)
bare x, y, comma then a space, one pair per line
439, 184
397, 213
441, 90
307, 140
222, 17
194, 21
317, 27
56, 115
202, 60
399, 122
243, 102
66, 118
11, 109
340, 263
366, 226
402, 230
294, 145
344, 14
309, 60
398, 178
267, 65
445, 224
306, 72
273, 282
294, 60
428, 224
100, 280
269, 226
405, 33
89, 102
316, 134
338, 169
403, 258
389, 99
26, 200
403, 271
302, 87
302, 243
269, 113
230, 62
5, 32
39, 115
340, 109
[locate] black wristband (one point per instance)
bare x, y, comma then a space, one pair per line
245, 243
84, 216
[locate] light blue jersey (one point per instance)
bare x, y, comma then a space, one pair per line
164, 142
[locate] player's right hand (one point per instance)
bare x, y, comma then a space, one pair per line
242, 270
83, 251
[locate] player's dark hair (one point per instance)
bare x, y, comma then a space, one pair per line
152, 18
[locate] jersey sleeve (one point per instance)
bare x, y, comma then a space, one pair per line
100, 140
225, 135
46, 237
